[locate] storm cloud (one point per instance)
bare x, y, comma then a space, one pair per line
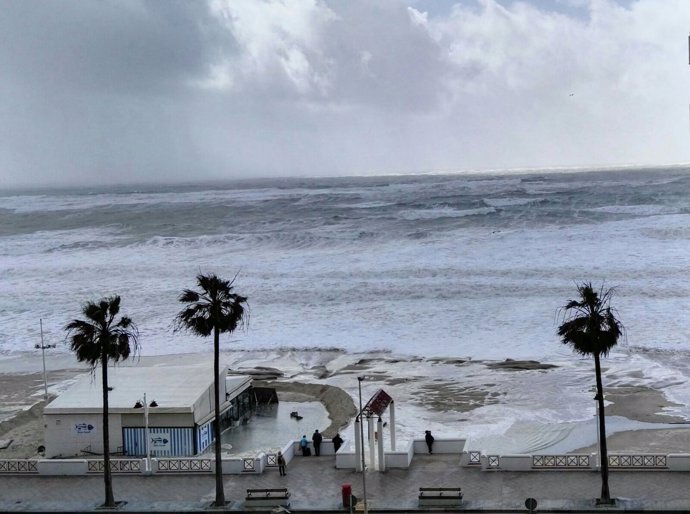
138, 91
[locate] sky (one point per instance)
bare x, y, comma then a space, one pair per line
120, 91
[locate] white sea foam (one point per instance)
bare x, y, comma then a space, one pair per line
640, 210
411, 267
443, 212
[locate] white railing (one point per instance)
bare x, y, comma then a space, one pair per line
493, 461
561, 461
475, 458
18, 466
183, 465
116, 465
638, 461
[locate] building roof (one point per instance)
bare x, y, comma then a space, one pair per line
174, 388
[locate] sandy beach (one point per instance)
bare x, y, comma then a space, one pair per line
22, 395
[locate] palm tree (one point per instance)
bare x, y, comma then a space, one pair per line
591, 328
98, 338
214, 309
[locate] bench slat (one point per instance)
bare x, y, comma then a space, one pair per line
263, 494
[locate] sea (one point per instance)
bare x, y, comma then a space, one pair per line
425, 272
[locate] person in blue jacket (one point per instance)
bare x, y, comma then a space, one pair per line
304, 444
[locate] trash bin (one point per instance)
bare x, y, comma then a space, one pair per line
347, 492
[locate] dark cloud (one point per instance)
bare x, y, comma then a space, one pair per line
106, 91
119, 47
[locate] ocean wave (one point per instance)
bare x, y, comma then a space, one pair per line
667, 234
303, 240
511, 201
443, 212
636, 210
366, 205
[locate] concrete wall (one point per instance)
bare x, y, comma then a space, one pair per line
66, 435
440, 446
400, 458
344, 460
510, 463
678, 462
62, 467
326, 447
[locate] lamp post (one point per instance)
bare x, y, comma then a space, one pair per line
596, 399
361, 435
43, 355
146, 406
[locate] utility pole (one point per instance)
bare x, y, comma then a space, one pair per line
43, 347
361, 435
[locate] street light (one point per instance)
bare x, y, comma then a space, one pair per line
43, 354
596, 399
143, 404
361, 435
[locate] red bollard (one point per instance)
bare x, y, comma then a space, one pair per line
347, 492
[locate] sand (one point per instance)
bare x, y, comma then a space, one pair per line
646, 405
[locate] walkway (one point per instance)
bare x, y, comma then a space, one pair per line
315, 486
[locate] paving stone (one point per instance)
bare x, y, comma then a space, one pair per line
315, 485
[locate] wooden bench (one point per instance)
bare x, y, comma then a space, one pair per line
440, 496
267, 498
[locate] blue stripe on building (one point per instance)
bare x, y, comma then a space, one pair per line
204, 436
167, 442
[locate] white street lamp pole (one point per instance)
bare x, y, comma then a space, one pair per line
148, 436
45, 374
596, 399
361, 435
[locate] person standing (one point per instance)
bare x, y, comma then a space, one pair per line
429, 440
337, 442
316, 439
281, 464
304, 445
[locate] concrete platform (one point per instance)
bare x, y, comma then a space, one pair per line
315, 486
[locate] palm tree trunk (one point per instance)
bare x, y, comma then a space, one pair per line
107, 476
220, 493
605, 494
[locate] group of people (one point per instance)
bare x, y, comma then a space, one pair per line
316, 440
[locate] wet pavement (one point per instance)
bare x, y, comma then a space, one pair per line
315, 486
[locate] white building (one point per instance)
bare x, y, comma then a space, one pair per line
180, 411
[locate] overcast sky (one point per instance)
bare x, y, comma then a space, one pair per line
139, 91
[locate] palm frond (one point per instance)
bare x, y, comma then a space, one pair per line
99, 334
589, 323
213, 306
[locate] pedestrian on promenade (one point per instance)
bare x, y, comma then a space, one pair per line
337, 442
281, 464
304, 445
429, 440
316, 439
